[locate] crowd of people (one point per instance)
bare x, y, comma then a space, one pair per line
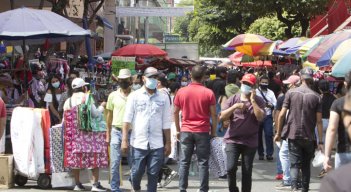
155, 117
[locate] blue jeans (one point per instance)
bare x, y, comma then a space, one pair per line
279, 164
188, 141
115, 159
284, 159
152, 159
342, 159
267, 127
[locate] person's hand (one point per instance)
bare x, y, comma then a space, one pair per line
124, 147
277, 138
103, 104
326, 164
167, 149
108, 137
178, 136
253, 95
241, 106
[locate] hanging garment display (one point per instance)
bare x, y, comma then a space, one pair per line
56, 149
218, 158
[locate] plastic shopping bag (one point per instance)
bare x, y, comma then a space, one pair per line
63, 179
318, 159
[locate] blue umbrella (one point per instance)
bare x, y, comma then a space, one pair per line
342, 66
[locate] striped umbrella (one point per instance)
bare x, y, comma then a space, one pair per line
293, 42
342, 66
249, 44
239, 57
269, 48
333, 54
329, 42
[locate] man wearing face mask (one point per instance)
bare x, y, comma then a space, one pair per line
245, 110
147, 113
267, 124
115, 106
136, 82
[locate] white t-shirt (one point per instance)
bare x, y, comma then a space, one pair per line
48, 98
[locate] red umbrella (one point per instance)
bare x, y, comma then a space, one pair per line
257, 64
139, 50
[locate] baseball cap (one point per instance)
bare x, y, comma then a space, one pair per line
306, 73
124, 74
100, 60
78, 83
171, 76
293, 79
151, 71
249, 78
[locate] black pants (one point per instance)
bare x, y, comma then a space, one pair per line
247, 153
301, 153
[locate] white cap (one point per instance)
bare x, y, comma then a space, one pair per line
124, 74
100, 60
78, 83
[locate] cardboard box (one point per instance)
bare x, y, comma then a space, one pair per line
6, 171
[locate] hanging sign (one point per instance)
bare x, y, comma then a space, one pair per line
119, 63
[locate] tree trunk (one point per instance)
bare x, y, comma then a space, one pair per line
288, 31
304, 27
12, 4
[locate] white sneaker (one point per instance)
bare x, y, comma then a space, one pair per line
98, 187
170, 178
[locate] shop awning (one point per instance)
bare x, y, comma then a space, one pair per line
321, 31
105, 22
152, 11
343, 25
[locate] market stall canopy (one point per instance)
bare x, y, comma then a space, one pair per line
249, 44
26, 23
257, 64
269, 48
304, 47
139, 50
334, 53
329, 41
293, 42
238, 57
342, 66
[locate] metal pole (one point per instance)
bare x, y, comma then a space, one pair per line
88, 47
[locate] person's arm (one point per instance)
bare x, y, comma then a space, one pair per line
320, 130
259, 113
125, 130
176, 112
166, 126
275, 118
279, 126
108, 125
214, 120
330, 138
127, 120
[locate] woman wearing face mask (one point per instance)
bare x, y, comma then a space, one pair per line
184, 82
52, 98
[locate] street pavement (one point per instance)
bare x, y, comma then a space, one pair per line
263, 180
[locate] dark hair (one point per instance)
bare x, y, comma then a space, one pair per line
174, 86
220, 70
270, 75
198, 72
264, 77
53, 90
73, 72
163, 81
232, 76
348, 80
69, 86
323, 85
339, 87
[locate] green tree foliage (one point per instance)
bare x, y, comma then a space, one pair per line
272, 28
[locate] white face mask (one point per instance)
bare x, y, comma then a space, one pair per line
183, 83
151, 83
136, 87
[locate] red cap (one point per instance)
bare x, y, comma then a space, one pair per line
249, 78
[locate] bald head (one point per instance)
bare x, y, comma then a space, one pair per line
198, 73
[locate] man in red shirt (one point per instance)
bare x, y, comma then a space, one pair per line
197, 104
2, 126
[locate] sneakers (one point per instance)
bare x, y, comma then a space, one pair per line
79, 187
283, 186
224, 177
279, 177
261, 158
159, 185
322, 174
170, 178
98, 187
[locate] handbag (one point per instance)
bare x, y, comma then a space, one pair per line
265, 99
84, 114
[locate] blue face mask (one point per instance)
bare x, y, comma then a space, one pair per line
56, 85
151, 83
245, 89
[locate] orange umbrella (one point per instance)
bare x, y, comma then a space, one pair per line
249, 44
